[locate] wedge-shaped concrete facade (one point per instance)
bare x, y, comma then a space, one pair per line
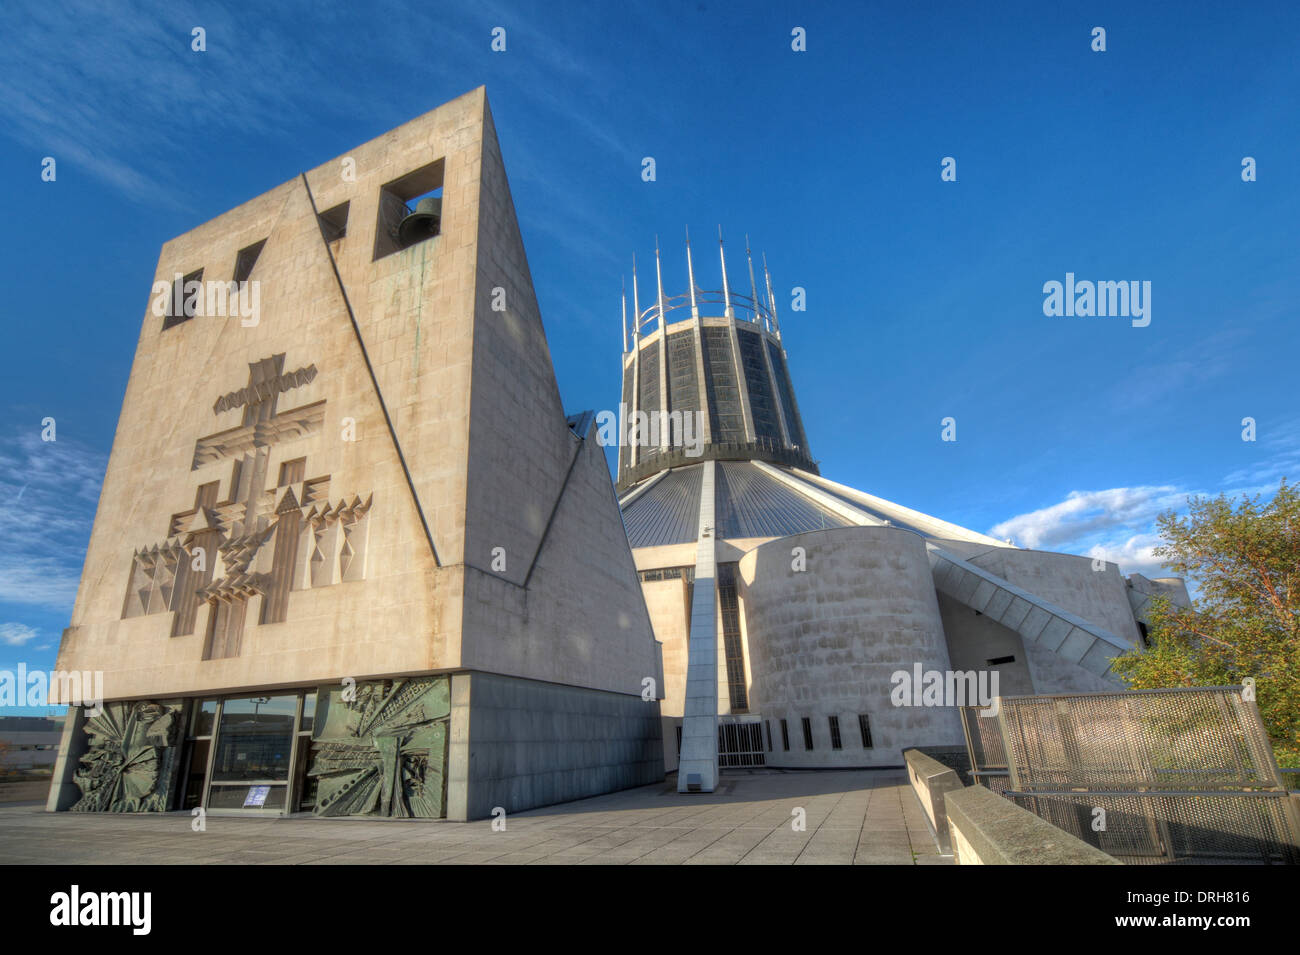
362, 500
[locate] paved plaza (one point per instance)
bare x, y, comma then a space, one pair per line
856, 816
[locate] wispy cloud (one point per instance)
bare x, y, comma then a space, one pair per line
1119, 524
1089, 514
92, 88
16, 634
123, 97
1171, 375
1134, 554
1279, 447
51, 489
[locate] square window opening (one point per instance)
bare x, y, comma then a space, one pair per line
186, 299
410, 209
246, 259
292, 472
334, 222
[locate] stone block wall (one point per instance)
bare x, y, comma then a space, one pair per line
826, 641
518, 744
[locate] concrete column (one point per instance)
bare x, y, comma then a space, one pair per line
776, 394
63, 791
742, 383
458, 749
633, 453
796, 426
624, 408
706, 428
664, 437
697, 770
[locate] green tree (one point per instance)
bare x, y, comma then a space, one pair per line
1246, 622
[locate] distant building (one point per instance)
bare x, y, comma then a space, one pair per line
32, 742
796, 612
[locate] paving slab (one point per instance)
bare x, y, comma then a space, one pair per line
862, 816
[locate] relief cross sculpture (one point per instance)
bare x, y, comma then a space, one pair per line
270, 540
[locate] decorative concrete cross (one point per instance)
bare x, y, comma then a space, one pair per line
256, 530
247, 571
262, 425
266, 379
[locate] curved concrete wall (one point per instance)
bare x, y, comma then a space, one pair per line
825, 642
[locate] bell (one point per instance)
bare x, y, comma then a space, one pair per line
422, 223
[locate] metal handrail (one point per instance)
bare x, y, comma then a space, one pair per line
739, 302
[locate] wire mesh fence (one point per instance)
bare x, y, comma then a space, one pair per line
984, 745
1179, 739
1177, 776
1190, 828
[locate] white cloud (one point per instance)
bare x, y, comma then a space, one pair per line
1134, 555
1119, 524
1089, 518
16, 634
50, 490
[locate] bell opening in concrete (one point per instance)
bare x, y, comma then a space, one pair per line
410, 209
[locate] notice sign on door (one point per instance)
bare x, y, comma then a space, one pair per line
256, 796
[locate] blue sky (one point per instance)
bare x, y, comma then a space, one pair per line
924, 297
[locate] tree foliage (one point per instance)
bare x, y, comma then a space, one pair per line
1245, 560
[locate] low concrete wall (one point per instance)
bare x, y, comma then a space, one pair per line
931, 780
63, 792
988, 829
955, 758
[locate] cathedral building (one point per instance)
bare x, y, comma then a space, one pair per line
353, 558
800, 617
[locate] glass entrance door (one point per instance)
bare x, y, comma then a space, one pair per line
252, 754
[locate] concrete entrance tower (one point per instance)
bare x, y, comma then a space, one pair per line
366, 496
